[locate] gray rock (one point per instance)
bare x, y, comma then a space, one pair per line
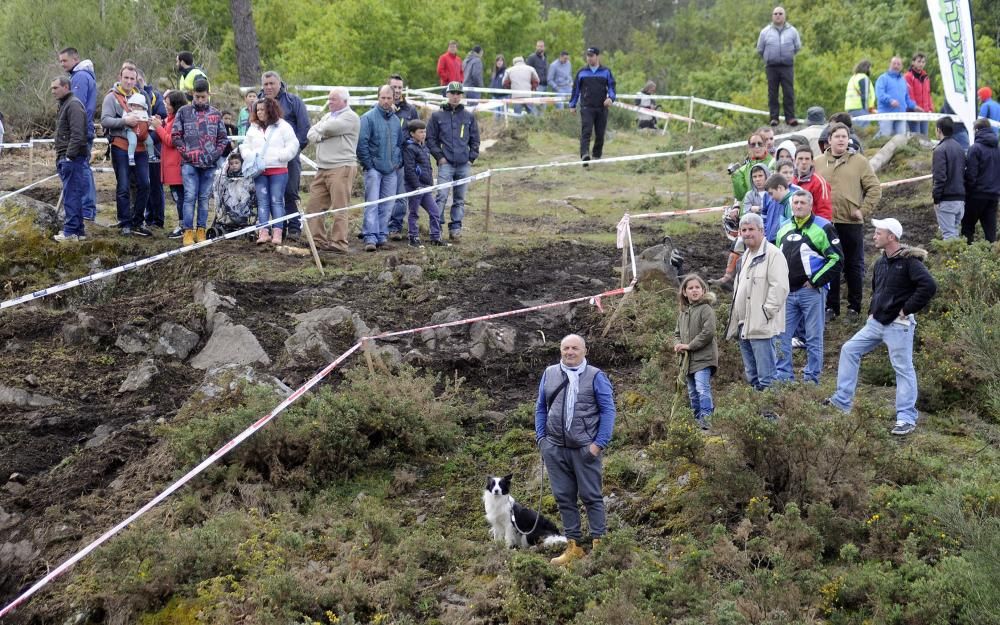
486, 336
21, 551
24, 399
229, 378
386, 276
416, 358
12, 346
32, 380
410, 275
205, 294
84, 329
230, 344
653, 266
9, 519
484, 265
20, 478
312, 327
15, 488
140, 377
389, 354
175, 341
446, 316
21, 207
133, 340
100, 436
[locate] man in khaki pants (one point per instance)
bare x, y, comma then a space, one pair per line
336, 139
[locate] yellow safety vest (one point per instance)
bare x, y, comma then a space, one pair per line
852, 99
187, 82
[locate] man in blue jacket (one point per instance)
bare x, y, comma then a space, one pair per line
453, 139
574, 419
380, 153
893, 96
84, 86
294, 112
594, 91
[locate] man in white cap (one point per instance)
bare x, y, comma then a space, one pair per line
901, 287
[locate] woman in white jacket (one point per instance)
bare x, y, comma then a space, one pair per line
274, 139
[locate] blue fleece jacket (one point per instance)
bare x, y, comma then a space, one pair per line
380, 142
84, 86
892, 86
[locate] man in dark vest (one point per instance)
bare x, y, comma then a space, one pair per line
574, 418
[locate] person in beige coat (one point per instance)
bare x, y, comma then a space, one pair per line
336, 138
758, 310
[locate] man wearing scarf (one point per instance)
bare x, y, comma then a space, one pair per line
574, 418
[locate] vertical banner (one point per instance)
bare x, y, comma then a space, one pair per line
956, 48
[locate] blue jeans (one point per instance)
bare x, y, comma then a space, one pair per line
73, 177
918, 127
899, 339
700, 392
399, 207
271, 198
858, 113
376, 220
155, 206
197, 188
90, 196
565, 91
805, 306
446, 173
949, 217
130, 216
888, 128
177, 194
759, 362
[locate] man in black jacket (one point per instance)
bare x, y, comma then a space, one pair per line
453, 139
982, 183
71, 157
901, 287
593, 92
948, 190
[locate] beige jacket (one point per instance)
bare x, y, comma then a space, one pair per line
336, 139
759, 296
853, 186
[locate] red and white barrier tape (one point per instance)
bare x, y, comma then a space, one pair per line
663, 114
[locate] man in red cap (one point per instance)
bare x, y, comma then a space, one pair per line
990, 109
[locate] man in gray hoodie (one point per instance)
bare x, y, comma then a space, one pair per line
778, 44
472, 69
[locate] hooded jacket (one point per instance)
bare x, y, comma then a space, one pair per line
900, 283
696, 327
892, 86
293, 111
417, 171
759, 294
853, 185
453, 134
380, 141
820, 189
776, 213
778, 46
71, 131
199, 135
449, 68
741, 177
948, 171
753, 197
170, 158
472, 70
282, 144
787, 145
982, 166
919, 84
84, 86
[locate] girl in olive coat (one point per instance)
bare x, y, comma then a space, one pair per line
695, 336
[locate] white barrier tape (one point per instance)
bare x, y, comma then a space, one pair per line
727, 106
662, 114
690, 211
30, 186
911, 117
207, 462
327, 88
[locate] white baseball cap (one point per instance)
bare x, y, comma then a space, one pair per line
891, 224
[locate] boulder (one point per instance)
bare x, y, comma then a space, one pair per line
205, 294
133, 340
100, 436
229, 378
84, 329
485, 337
313, 327
654, 268
24, 399
21, 208
140, 377
410, 275
230, 344
21, 551
175, 341
8, 519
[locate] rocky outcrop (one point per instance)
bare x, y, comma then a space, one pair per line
24, 399
314, 331
140, 377
175, 341
230, 344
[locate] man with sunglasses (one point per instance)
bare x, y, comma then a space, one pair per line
778, 44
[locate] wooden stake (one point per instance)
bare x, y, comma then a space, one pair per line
687, 177
690, 113
488, 187
312, 245
366, 347
614, 315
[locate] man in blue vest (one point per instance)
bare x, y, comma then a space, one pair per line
574, 418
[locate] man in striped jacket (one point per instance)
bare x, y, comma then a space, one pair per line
812, 250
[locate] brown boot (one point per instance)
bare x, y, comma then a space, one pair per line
573, 552
200, 235
726, 281
188, 238
276, 236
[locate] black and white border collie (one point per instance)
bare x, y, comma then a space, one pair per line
510, 520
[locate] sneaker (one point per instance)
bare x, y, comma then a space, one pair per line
126, 231
66, 238
439, 243
176, 233
903, 428
702, 424
395, 236
852, 317
774, 123
131, 162
415, 243
798, 343
585, 158
370, 247
455, 235
830, 315
141, 232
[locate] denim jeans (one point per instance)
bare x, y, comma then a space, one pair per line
858, 113
400, 206
700, 392
805, 305
566, 91
888, 128
446, 173
291, 195
376, 220
129, 215
197, 188
73, 177
899, 339
433, 212
271, 198
918, 127
949, 217
177, 194
759, 362
90, 197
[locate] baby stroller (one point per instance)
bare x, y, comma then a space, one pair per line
235, 200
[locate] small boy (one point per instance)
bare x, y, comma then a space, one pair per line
777, 204
754, 199
137, 107
417, 174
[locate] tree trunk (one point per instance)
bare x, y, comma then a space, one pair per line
245, 37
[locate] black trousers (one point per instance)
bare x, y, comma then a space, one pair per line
292, 194
593, 120
784, 76
983, 211
852, 241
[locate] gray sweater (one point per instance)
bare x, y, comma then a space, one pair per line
778, 46
472, 69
